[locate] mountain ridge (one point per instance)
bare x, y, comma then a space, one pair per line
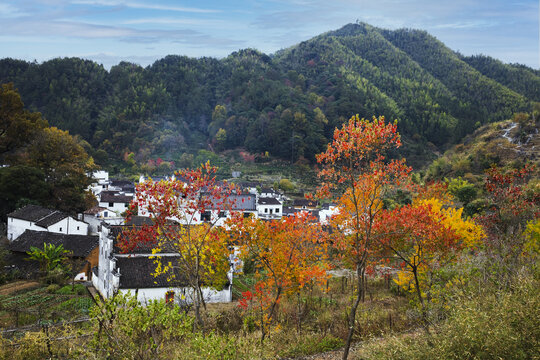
286, 104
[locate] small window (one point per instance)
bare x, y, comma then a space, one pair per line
221, 214
105, 214
277, 210
169, 297
60, 229
111, 204
126, 205
77, 228
246, 215
265, 210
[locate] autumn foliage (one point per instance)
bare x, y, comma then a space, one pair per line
175, 208
289, 254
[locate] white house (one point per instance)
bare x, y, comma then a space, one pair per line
217, 212
327, 211
37, 218
100, 182
115, 201
269, 208
96, 215
133, 272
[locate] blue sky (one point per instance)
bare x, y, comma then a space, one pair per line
140, 31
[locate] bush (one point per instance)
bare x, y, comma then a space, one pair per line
53, 288
129, 330
489, 325
77, 289
307, 345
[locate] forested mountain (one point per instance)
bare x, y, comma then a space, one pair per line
286, 104
520, 78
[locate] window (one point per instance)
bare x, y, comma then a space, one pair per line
77, 228
169, 297
277, 210
265, 210
111, 204
221, 214
60, 229
126, 205
206, 216
105, 214
246, 215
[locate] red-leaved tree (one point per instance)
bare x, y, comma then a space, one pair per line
356, 172
184, 214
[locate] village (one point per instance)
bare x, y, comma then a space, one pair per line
92, 237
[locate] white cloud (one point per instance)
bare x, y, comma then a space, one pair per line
7, 10
138, 5
168, 21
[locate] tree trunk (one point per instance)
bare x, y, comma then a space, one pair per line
197, 299
352, 315
423, 307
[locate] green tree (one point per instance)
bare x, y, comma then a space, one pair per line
66, 166
17, 125
50, 257
15, 193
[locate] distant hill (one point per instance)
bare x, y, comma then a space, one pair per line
286, 104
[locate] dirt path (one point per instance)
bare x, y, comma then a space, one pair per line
16, 286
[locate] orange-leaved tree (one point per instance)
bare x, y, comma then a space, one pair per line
424, 235
289, 254
416, 237
187, 245
355, 171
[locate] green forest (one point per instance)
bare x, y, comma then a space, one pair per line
285, 105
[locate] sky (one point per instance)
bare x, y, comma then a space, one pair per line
140, 31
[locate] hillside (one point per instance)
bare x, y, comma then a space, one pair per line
286, 104
510, 143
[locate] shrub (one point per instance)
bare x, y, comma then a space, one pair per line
129, 330
77, 289
485, 325
307, 345
53, 288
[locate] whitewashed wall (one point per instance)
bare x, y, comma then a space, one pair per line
15, 228
69, 226
144, 295
117, 207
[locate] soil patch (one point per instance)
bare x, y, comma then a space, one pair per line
17, 286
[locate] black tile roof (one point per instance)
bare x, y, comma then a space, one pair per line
121, 183
268, 191
80, 245
114, 197
95, 210
268, 201
51, 219
137, 272
117, 233
304, 202
31, 213
289, 210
